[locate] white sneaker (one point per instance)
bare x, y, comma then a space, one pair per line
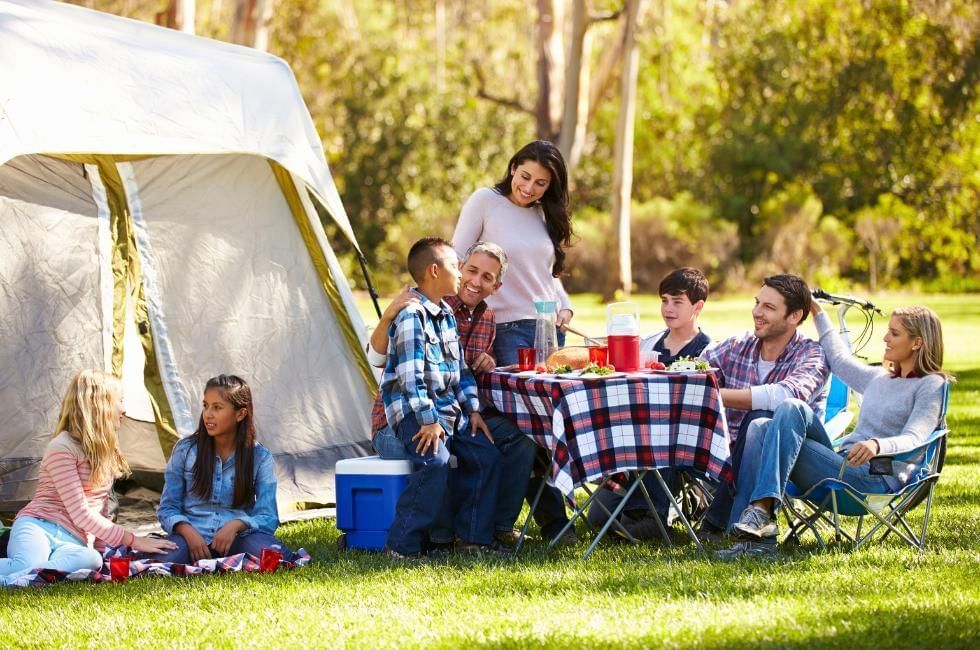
756, 523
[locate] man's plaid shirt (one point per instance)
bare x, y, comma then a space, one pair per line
801, 369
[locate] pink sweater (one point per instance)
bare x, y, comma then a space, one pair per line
521, 232
65, 497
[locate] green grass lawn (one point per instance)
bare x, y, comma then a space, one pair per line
883, 596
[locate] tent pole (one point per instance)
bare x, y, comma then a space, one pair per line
370, 287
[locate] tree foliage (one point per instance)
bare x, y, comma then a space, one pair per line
816, 136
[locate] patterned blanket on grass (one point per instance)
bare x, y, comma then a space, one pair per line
240, 562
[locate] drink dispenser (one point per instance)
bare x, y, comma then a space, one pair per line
544, 329
623, 329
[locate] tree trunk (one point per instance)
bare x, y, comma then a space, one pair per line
574, 117
250, 23
178, 15
551, 63
623, 156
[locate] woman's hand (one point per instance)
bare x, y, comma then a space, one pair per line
152, 545
862, 452
196, 545
815, 307
564, 317
225, 537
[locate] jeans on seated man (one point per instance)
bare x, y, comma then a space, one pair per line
516, 460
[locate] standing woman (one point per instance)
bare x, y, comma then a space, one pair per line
527, 215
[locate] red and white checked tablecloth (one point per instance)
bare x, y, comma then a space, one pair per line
605, 426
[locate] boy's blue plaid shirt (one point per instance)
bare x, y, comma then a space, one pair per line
425, 376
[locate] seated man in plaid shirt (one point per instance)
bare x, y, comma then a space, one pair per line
761, 369
431, 403
483, 269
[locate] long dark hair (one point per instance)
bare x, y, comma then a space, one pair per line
554, 203
236, 391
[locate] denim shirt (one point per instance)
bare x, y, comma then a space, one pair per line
179, 503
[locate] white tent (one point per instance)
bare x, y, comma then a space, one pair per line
158, 219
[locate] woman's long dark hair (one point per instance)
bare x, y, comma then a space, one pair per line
236, 391
554, 203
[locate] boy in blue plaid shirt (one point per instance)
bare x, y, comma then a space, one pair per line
431, 402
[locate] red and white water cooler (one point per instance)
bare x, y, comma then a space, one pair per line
623, 330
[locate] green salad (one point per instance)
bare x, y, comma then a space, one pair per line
595, 369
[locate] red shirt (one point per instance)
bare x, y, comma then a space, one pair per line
476, 335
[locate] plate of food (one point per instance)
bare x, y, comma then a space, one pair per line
687, 365
594, 371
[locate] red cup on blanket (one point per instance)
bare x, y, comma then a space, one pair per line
526, 358
119, 569
269, 560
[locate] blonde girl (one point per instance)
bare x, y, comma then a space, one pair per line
71, 501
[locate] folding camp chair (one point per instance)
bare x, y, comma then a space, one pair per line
831, 499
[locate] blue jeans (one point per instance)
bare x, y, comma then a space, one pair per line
793, 445
516, 460
424, 497
473, 486
513, 335
721, 508
253, 543
41, 544
388, 445
550, 513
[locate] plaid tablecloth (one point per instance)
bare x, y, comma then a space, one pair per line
238, 563
605, 426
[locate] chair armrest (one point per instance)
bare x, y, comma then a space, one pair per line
915, 451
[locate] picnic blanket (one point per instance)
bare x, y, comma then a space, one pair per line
240, 562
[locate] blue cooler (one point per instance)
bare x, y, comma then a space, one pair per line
367, 494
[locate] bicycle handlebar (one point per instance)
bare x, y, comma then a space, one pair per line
820, 294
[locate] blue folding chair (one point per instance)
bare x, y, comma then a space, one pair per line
831, 499
836, 416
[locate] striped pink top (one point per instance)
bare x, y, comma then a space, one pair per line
65, 497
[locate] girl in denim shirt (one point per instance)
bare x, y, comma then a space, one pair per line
219, 496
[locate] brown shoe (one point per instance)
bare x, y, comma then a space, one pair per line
508, 537
569, 538
494, 548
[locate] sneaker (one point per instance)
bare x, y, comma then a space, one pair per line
748, 549
440, 549
494, 548
568, 538
392, 554
508, 537
756, 523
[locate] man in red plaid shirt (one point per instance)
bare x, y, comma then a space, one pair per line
482, 269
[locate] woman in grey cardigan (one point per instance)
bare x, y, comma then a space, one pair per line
900, 409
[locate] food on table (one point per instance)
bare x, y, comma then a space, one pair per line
540, 368
687, 364
562, 370
595, 369
653, 364
574, 357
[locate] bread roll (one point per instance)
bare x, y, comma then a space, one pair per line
576, 357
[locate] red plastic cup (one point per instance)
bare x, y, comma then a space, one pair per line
269, 560
526, 358
599, 355
119, 569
